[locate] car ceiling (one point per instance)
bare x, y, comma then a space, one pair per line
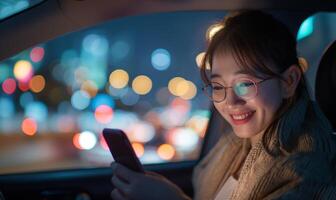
53, 18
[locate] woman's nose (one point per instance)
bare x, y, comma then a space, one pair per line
232, 99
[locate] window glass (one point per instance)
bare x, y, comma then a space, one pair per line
11, 7
316, 33
138, 74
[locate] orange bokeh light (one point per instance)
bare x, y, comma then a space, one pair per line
75, 141
29, 127
166, 151
138, 148
103, 114
37, 83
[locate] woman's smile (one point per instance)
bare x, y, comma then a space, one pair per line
241, 118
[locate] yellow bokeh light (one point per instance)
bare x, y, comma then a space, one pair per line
173, 83
303, 64
142, 84
191, 92
138, 148
166, 151
119, 78
182, 88
23, 70
199, 60
90, 87
212, 30
37, 83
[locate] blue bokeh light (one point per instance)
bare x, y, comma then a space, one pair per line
80, 100
25, 99
102, 99
7, 108
37, 110
161, 59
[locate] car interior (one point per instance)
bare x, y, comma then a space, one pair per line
54, 25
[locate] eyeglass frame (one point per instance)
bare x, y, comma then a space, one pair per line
225, 88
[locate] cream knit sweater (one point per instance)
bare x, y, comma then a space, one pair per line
306, 171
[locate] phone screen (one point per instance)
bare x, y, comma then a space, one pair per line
121, 149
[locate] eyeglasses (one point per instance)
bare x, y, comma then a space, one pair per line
243, 88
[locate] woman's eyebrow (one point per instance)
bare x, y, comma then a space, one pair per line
241, 71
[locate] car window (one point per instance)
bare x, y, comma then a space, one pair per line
138, 74
12, 7
316, 33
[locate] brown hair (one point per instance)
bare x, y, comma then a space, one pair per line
262, 45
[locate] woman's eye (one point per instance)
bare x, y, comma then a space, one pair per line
245, 84
216, 87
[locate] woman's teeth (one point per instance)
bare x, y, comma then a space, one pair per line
242, 116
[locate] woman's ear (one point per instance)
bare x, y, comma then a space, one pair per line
292, 77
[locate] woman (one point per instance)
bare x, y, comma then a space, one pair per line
281, 146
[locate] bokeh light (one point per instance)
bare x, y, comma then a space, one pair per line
102, 99
184, 139
23, 86
80, 100
166, 151
212, 30
9, 86
37, 54
96, 44
23, 70
90, 87
85, 140
119, 78
103, 114
142, 85
25, 99
190, 93
138, 148
7, 108
117, 93
173, 83
160, 59
199, 60
29, 126
141, 132
37, 110
37, 83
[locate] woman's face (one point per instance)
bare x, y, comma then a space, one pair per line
250, 117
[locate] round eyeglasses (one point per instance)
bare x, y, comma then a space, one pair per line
243, 88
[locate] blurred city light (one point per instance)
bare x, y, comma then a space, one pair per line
95, 44
130, 98
25, 99
102, 99
90, 87
160, 59
184, 139
191, 92
306, 28
212, 30
142, 85
103, 114
166, 151
37, 54
23, 86
9, 86
173, 83
7, 108
29, 126
37, 110
138, 148
199, 60
85, 140
23, 70
118, 93
37, 83
119, 78
80, 100
141, 132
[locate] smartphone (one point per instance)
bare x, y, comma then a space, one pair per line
121, 149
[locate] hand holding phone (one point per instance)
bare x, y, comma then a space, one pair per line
121, 149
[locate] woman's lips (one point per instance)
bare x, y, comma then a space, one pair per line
242, 118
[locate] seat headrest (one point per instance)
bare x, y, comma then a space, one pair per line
325, 87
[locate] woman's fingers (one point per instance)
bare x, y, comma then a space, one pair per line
124, 173
116, 195
120, 185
